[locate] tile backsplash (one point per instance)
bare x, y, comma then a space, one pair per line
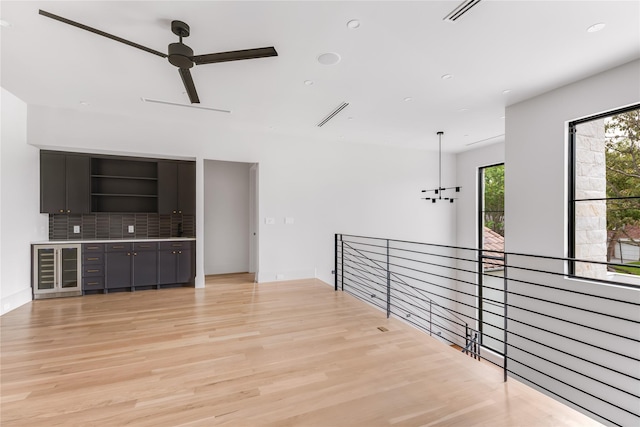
116, 226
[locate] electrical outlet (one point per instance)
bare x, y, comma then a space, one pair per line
130, 229
76, 229
333, 272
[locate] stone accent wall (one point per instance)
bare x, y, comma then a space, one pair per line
591, 216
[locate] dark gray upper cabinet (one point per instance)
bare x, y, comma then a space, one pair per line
64, 183
176, 187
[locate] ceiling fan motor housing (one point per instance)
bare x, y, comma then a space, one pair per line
180, 55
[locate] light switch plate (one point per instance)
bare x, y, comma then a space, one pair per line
76, 229
270, 221
288, 220
131, 229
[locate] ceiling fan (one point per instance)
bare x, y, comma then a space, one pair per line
180, 54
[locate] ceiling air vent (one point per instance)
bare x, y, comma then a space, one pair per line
463, 8
176, 104
333, 113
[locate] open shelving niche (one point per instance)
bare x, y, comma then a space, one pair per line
124, 185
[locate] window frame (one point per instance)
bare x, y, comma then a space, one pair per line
571, 200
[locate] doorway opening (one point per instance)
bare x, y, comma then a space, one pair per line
230, 218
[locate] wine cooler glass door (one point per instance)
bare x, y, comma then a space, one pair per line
69, 268
46, 271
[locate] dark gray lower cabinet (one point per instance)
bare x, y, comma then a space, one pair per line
137, 265
175, 262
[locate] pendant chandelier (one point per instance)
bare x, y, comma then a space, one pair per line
438, 191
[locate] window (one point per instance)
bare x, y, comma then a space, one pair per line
491, 243
604, 196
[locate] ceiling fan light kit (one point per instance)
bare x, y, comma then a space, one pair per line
438, 191
179, 54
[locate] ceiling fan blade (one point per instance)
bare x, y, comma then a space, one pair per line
100, 33
235, 55
189, 86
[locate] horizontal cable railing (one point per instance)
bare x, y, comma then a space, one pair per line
574, 338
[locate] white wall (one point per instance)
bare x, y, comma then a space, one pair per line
327, 187
226, 210
468, 164
536, 158
20, 220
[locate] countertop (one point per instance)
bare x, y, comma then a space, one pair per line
65, 242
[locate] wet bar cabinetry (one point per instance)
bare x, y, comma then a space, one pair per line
76, 183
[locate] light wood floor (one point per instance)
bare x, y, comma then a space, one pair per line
241, 354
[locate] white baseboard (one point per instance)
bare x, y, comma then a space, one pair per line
16, 300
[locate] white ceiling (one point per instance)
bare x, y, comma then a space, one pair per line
400, 50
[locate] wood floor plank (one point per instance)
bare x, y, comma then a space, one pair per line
241, 354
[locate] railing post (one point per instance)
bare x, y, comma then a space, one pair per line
504, 351
466, 338
342, 262
388, 283
335, 262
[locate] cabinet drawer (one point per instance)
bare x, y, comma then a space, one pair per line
170, 246
92, 283
145, 246
93, 258
119, 247
92, 271
92, 247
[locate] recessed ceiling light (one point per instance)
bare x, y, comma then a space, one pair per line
446, 76
506, 91
462, 110
330, 58
4, 23
408, 98
596, 27
353, 24
84, 103
308, 82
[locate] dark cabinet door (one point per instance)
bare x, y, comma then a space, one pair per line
64, 183
52, 183
167, 187
167, 267
145, 268
187, 188
118, 270
183, 268
176, 187
78, 185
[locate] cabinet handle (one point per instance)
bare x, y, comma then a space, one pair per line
173, 252
128, 253
117, 247
93, 259
177, 245
92, 283
179, 211
145, 246
92, 247
179, 252
61, 210
68, 210
93, 271
174, 212
135, 254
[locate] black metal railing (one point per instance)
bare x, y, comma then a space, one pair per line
577, 340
